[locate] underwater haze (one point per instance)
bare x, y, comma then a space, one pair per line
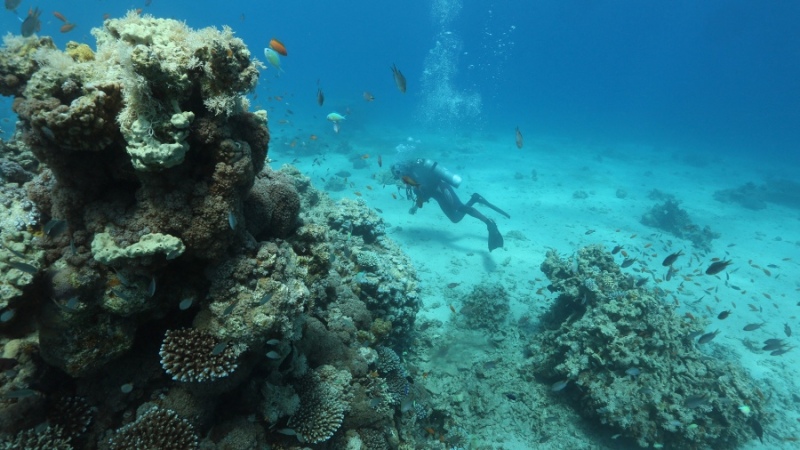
716, 77
420, 224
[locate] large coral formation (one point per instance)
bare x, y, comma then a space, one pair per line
670, 217
179, 257
631, 362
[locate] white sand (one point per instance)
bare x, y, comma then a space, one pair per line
545, 212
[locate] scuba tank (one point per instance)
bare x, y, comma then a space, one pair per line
440, 172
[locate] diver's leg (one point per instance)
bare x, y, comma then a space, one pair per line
450, 203
477, 198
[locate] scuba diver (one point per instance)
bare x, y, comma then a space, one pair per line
425, 179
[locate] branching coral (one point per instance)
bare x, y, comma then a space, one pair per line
192, 355
155, 429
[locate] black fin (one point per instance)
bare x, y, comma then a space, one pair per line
495, 238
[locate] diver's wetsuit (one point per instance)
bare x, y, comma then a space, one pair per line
424, 180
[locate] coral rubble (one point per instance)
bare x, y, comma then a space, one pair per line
631, 363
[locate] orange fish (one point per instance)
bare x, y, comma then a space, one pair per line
313, 137
380, 161
67, 27
278, 47
365, 156
60, 16
410, 181
368, 97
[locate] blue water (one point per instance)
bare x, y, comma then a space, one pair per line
720, 77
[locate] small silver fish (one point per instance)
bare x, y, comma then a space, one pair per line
219, 348
232, 222
787, 330
186, 304
272, 354
19, 393
229, 309
7, 315
126, 388
273, 342
24, 267
151, 288
559, 386
265, 299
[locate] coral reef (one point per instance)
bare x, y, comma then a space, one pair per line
668, 216
756, 197
621, 356
155, 429
486, 307
157, 263
194, 355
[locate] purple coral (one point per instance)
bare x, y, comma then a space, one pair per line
192, 355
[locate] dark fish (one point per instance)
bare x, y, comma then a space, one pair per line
695, 401
717, 267
452, 285
708, 337
628, 262
229, 309
54, 227
772, 344
671, 258
11, 5
670, 273
642, 281
320, 97
780, 351
723, 315
787, 330
399, 79
616, 249
753, 326
757, 429
31, 24
519, 138
588, 232
510, 396
13, 252
343, 174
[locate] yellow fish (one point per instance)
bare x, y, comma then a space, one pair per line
273, 58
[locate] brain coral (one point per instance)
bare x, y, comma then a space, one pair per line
272, 206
